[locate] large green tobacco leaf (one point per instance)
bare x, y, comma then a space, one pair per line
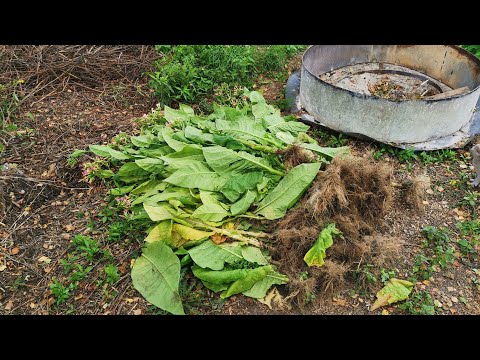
131, 172
105, 151
226, 161
159, 212
198, 136
182, 115
244, 128
395, 290
196, 175
247, 282
316, 255
156, 275
237, 185
152, 165
260, 288
174, 144
242, 205
149, 185
254, 255
209, 255
161, 232
288, 191
328, 152
293, 127
210, 212
188, 153
224, 276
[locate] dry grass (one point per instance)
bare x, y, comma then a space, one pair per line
49, 69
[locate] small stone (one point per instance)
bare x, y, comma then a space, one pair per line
437, 303
454, 299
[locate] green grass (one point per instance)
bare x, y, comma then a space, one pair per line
189, 73
409, 156
10, 98
419, 303
474, 49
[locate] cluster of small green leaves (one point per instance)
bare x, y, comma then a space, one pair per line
77, 266
474, 49
410, 155
10, 97
438, 252
331, 139
469, 237
188, 73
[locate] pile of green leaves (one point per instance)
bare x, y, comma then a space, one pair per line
200, 178
186, 73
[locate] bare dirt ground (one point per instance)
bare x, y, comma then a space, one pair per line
45, 204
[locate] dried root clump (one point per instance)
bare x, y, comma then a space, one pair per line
353, 193
296, 155
414, 191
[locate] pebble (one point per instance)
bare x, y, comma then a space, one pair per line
449, 288
437, 303
454, 299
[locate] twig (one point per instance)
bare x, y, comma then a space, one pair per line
41, 181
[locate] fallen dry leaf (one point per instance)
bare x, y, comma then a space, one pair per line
44, 259
129, 301
276, 299
9, 305
32, 305
340, 302
385, 312
15, 251
429, 191
218, 239
137, 312
66, 236
2, 267
69, 227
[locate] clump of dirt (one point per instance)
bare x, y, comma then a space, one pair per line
415, 191
296, 155
353, 193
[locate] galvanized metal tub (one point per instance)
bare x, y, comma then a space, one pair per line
421, 124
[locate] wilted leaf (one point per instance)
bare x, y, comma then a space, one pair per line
288, 191
316, 255
156, 275
9, 305
395, 290
246, 283
260, 288
214, 256
161, 232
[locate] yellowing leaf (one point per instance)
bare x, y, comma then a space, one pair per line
182, 234
274, 298
315, 256
395, 290
161, 232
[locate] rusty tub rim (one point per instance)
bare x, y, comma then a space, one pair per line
427, 101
